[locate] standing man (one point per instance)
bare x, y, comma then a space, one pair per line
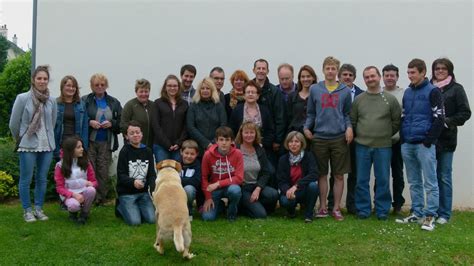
285, 76
218, 75
188, 73
390, 79
375, 117
422, 122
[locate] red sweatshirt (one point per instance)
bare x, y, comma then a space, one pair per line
228, 169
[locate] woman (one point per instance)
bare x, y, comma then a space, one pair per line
104, 113
457, 112
169, 121
236, 94
297, 177
140, 109
297, 100
258, 199
205, 115
32, 125
250, 110
72, 118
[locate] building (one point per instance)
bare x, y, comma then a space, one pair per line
13, 51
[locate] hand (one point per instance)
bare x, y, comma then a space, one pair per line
78, 197
349, 135
308, 134
138, 184
94, 124
106, 124
208, 205
255, 194
290, 193
213, 187
89, 184
276, 146
174, 147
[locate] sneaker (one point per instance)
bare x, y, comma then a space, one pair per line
322, 213
428, 223
39, 214
308, 220
73, 216
441, 220
29, 217
337, 215
412, 218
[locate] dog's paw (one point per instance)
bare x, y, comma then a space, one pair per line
188, 256
159, 248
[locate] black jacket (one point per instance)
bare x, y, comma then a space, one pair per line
308, 166
169, 126
191, 174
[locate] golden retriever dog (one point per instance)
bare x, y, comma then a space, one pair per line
172, 216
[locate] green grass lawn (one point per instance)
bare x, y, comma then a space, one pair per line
277, 240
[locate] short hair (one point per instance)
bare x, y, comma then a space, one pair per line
239, 74
285, 65
330, 60
76, 97
217, 69
164, 93
99, 77
390, 67
249, 125
371, 67
142, 84
260, 60
298, 136
347, 67
311, 72
190, 144
189, 68
42, 68
225, 132
214, 94
447, 63
417, 63
253, 83
133, 123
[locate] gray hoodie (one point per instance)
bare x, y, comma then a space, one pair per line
328, 112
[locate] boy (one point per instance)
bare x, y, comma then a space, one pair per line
191, 174
222, 174
135, 178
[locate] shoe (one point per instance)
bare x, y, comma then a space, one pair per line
29, 217
362, 217
291, 214
190, 218
428, 223
322, 213
308, 220
39, 214
337, 215
231, 218
73, 216
441, 220
382, 218
82, 218
412, 218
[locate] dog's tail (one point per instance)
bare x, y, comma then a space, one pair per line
178, 238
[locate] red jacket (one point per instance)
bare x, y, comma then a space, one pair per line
228, 169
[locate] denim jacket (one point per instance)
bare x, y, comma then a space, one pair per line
81, 124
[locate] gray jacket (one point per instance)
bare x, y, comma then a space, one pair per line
22, 113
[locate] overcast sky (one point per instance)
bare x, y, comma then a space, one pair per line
18, 16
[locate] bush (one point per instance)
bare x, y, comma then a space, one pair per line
7, 186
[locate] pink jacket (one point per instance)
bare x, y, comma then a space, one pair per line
61, 181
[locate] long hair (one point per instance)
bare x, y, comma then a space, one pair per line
76, 97
164, 93
69, 145
210, 83
311, 71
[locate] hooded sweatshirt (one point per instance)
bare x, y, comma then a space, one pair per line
225, 169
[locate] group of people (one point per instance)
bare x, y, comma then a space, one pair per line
257, 145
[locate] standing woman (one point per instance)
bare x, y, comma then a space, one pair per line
72, 117
169, 121
236, 95
298, 100
205, 115
457, 112
32, 125
104, 113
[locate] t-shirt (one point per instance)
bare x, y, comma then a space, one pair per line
331, 88
251, 167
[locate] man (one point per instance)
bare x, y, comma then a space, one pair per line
422, 122
390, 79
375, 117
188, 73
271, 98
285, 76
218, 75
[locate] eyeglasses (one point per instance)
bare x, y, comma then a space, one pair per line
251, 92
171, 86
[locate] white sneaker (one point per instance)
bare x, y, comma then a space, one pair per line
428, 223
39, 214
29, 217
412, 218
441, 220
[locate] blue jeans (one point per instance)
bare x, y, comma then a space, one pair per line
28, 161
380, 158
163, 154
136, 207
419, 159
233, 193
308, 197
191, 195
445, 183
266, 202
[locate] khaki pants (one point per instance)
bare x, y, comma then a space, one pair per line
100, 157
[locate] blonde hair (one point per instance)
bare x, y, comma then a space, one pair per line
249, 125
99, 77
330, 60
210, 83
298, 136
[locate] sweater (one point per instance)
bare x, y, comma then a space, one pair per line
169, 125
191, 174
375, 119
76, 183
309, 172
135, 110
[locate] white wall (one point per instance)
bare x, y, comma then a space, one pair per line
128, 40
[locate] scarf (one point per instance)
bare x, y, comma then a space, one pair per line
39, 99
296, 159
441, 84
235, 97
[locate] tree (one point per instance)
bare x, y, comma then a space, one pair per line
15, 79
4, 45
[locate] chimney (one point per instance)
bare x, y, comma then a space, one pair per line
15, 39
4, 31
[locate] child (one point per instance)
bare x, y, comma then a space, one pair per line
222, 175
75, 180
135, 176
191, 174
